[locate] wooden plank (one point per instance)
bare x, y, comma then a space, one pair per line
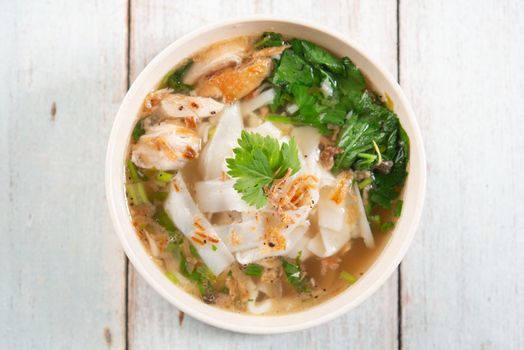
153, 323
461, 66
63, 272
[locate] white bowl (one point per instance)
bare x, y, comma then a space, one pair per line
336, 306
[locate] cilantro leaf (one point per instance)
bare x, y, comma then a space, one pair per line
295, 276
259, 161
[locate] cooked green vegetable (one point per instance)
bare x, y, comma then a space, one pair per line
174, 80
138, 130
172, 277
164, 176
331, 92
160, 196
316, 55
164, 220
398, 208
295, 276
349, 278
364, 183
202, 276
386, 186
133, 172
322, 86
387, 226
269, 39
193, 251
258, 162
292, 69
254, 270
137, 193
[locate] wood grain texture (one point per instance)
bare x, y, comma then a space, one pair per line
63, 272
462, 68
153, 323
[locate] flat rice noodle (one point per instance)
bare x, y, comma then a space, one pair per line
330, 214
336, 215
307, 139
242, 235
326, 178
293, 233
363, 230
253, 306
186, 216
212, 160
213, 196
267, 129
333, 241
302, 248
256, 102
316, 246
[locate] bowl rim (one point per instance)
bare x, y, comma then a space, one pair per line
244, 323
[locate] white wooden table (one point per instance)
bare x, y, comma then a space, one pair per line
65, 282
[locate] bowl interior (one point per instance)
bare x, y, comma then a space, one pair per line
119, 139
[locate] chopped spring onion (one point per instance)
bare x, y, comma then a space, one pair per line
211, 132
160, 196
193, 251
374, 219
164, 220
137, 193
367, 156
378, 152
387, 226
172, 277
138, 130
398, 208
133, 172
349, 278
254, 270
224, 290
164, 176
214, 247
279, 118
364, 183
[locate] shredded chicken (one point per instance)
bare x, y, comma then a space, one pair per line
189, 107
218, 56
233, 83
237, 285
332, 263
166, 147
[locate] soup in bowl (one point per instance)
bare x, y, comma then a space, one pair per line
264, 176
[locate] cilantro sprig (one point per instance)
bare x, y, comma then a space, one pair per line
258, 162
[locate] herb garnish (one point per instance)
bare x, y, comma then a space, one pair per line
258, 162
294, 274
254, 270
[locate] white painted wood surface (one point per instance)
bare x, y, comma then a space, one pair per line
63, 272
462, 68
